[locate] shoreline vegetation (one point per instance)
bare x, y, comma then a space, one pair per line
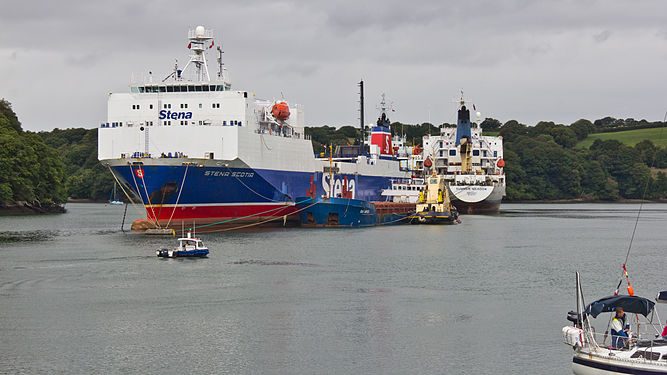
545, 163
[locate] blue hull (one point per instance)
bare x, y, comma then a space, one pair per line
342, 212
336, 212
212, 194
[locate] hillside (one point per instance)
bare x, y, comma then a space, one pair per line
658, 136
31, 172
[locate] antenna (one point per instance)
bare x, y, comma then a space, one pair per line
361, 115
199, 38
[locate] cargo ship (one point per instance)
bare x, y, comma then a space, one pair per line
471, 163
191, 149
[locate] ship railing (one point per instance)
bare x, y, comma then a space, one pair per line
270, 132
646, 341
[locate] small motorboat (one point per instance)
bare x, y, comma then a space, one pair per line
642, 350
187, 247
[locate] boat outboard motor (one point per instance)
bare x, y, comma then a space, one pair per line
573, 317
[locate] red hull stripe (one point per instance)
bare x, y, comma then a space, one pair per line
188, 213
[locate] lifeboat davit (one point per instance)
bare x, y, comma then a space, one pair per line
280, 111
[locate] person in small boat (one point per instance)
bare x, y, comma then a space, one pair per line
619, 330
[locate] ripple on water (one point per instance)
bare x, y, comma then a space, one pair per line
27, 236
273, 263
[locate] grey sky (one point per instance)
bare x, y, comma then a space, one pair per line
523, 60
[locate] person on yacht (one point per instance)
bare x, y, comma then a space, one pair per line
619, 330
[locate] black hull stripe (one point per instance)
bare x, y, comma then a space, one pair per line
622, 370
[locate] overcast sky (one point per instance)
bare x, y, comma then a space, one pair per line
524, 60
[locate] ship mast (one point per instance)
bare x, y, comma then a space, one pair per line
199, 42
361, 116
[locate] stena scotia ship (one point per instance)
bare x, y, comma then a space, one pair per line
193, 150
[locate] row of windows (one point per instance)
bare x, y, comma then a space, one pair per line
184, 122
183, 106
180, 88
452, 152
403, 187
447, 144
137, 106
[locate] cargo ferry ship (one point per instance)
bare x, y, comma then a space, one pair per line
192, 149
471, 163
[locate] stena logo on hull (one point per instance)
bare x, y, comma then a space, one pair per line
337, 187
169, 115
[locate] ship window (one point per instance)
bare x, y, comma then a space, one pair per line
475, 152
141, 89
134, 89
213, 87
240, 123
224, 123
199, 105
220, 88
440, 145
177, 88
133, 106
205, 87
452, 152
170, 88
441, 152
198, 88
163, 89
484, 153
191, 88
164, 106
495, 154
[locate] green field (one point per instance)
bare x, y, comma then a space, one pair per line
630, 137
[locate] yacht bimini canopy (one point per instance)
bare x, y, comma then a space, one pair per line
661, 297
630, 304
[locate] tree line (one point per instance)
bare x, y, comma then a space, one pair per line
30, 170
542, 162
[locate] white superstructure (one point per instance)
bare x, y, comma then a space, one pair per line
471, 162
189, 114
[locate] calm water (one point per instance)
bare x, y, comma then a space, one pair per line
487, 296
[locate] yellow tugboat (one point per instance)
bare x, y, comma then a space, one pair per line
434, 206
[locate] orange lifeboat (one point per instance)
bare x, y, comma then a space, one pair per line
428, 163
280, 111
501, 163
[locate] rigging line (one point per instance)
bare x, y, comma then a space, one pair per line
249, 188
641, 204
139, 193
179, 194
143, 182
262, 222
261, 136
237, 218
125, 192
